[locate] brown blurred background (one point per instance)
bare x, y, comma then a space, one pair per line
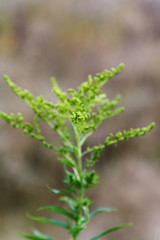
71, 39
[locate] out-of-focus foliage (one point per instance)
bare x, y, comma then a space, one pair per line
71, 39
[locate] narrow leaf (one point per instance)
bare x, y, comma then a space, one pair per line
101, 234
77, 230
35, 237
82, 140
66, 161
49, 221
66, 192
59, 210
56, 191
69, 148
100, 210
39, 234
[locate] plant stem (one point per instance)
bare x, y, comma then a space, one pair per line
79, 156
81, 189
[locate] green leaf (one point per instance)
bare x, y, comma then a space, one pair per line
67, 161
59, 210
48, 221
101, 234
56, 191
82, 140
39, 234
100, 210
69, 148
71, 202
66, 192
36, 237
77, 230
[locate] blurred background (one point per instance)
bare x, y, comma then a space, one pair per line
70, 39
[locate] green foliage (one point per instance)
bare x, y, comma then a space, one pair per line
75, 117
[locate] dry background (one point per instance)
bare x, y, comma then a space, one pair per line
71, 39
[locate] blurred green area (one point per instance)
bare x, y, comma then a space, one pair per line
71, 39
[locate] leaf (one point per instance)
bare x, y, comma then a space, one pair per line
82, 140
59, 210
101, 234
38, 233
66, 192
77, 230
65, 161
100, 210
48, 221
69, 148
36, 237
74, 129
71, 202
56, 191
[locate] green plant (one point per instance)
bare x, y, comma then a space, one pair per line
75, 117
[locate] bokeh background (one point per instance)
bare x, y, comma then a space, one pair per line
70, 39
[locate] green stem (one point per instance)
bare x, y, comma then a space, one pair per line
79, 156
81, 190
